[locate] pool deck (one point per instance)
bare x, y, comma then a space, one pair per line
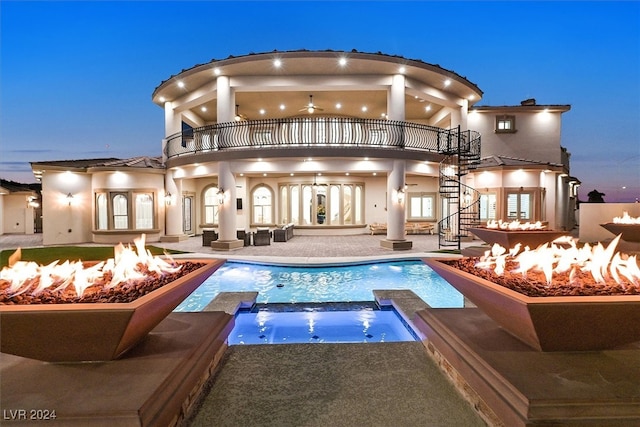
362, 384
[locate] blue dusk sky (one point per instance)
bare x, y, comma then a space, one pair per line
77, 77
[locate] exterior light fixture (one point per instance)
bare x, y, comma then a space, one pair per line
180, 84
342, 61
32, 202
447, 82
167, 199
277, 63
69, 198
400, 195
220, 195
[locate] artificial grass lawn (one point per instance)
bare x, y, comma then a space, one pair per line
72, 253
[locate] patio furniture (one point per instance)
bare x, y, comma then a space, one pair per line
208, 236
284, 233
244, 236
377, 228
262, 238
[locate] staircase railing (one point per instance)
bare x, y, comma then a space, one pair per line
461, 203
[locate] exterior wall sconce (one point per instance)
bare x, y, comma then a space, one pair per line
400, 194
32, 202
69, 198
467, 198
167, 199
221, 196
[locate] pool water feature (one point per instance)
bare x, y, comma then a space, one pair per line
361, 323
322, 284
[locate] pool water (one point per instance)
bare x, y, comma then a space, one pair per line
335, 283
360, 325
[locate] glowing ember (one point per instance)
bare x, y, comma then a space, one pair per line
514, 225
626, 219
558, 268
72, 280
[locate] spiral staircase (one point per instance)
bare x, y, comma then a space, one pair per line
461, 203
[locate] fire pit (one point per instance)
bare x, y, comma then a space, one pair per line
590, 301
508, 234
63, 322
626, 226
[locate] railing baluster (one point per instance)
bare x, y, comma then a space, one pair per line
311, 131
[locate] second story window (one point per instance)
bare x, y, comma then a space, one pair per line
505, 124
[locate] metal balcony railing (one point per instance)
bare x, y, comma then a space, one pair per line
314, 132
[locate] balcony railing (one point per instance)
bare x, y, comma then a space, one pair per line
317, 132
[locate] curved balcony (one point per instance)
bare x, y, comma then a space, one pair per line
318, 132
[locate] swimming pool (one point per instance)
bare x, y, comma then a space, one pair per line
330, 283
359, 324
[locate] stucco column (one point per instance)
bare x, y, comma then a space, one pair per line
395, 98
225, 100
227, 211
561, 203
464, 108
172, 125
396, 201
173, 209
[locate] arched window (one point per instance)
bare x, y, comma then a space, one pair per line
133, 209
120, 211
102, 212
210, 205
262, 205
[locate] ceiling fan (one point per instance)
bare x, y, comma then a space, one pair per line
239, 117
311, 107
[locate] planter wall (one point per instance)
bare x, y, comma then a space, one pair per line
92, 331
551, 323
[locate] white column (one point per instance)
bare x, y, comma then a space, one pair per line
173, 210
395, 98
172, 125
225, 100
463, 114
396, 201
227, 210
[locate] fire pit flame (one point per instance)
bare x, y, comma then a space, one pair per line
562, 256
626, 219
127, 266
514, 225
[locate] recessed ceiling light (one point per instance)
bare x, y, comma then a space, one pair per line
203, 109
163, 99
264, 174
216, 71
347, 173
262, 111
277, 63
383, 115
375, 173
342, 61
472, 97
291, 174
427, 108
180, 83
402, 70
364, 108
259, 159
366, 158
338, 106
282, 107
447, 82
241, 174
